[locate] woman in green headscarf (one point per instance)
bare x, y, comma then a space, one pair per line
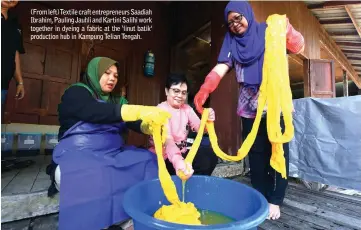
96, 167
96, 67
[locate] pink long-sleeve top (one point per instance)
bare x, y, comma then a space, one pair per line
182, 120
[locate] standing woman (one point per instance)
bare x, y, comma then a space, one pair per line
96, 167
243, 49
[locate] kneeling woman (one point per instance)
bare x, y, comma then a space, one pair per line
96, 167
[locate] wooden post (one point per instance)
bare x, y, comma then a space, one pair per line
345, 84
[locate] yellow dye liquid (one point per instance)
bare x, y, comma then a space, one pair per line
275, 93
210, 218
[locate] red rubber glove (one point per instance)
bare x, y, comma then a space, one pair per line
210, 84
295, 40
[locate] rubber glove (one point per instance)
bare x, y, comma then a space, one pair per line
295, 40
147, 128
183, 169
151, 115
210, 84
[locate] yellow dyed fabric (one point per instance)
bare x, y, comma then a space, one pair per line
177, 212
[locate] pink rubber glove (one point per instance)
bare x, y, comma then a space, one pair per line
295, 40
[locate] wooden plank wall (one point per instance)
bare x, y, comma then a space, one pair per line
188, 17
300, 17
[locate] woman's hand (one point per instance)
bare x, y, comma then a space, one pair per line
20, 92
211, 115
184, 170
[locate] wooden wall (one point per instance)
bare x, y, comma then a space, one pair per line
49, 66
300, 17
188, 17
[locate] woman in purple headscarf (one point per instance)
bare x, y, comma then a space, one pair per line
243, 49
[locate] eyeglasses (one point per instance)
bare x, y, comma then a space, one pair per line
236, 19
178, 91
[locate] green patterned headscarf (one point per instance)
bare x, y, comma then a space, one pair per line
96, 68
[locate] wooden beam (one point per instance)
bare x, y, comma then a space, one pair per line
336, 21
338, 33
357, 44
331, 47
295, 60
332, 4
296, 86
348, 55
354, 58
348, 10
191, 36
346, 51
345, 84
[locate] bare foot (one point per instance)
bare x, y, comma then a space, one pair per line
274, 212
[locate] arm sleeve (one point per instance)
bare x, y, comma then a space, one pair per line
77, 102
193, 120
171, 149
229, 63
20, 42
134, 125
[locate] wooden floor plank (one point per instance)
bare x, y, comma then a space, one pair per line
329, 215
334, 196
272, 225
324, 206
317, 220
351, 204
295, 223
356, 198
319, 210
340, 204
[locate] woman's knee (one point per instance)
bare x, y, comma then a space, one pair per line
57, 177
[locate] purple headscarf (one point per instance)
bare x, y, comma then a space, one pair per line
248, 48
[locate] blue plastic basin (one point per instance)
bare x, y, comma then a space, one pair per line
245, 205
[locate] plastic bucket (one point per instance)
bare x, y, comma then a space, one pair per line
245, 205
28, 144
51, 140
